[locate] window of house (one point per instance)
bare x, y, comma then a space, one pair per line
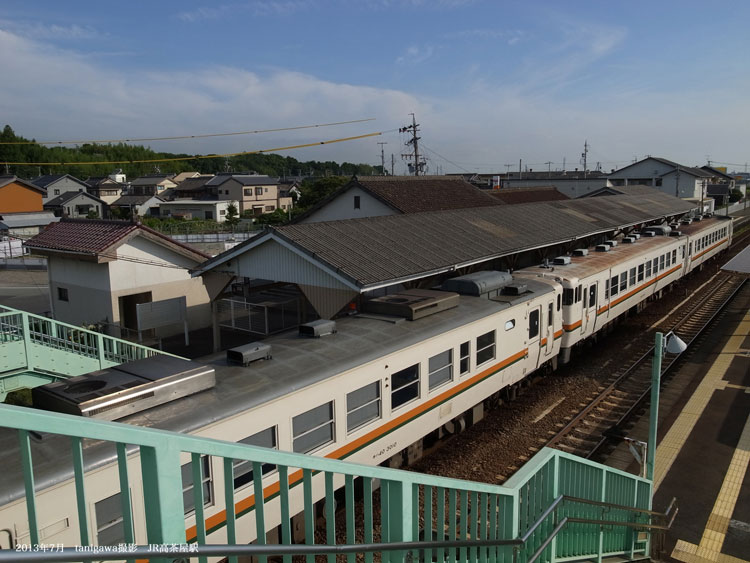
313, 428
614, 286
568, 296
440, 368
592, 296
486, 347
248, 191
57, 192
243, 470
623, 281
356, 202
533, 323
62, 294
188, 493
405, 386
465, 352
363, 405
265, 190
222, 211
632, 277
269, 208
640, 273
110, 529
258, 191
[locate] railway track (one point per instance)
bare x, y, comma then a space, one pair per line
604, 420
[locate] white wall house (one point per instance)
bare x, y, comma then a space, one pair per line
58, 184
198, 209
669, 177
100, 270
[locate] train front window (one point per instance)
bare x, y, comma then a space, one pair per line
188, 493
486, 347
313, 428
363, 405
440, 369
243, 470
405, 386
109, 525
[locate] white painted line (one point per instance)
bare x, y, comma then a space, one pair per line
547, 411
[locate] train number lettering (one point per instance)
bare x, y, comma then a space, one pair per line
384, 450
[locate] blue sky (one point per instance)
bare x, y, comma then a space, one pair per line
490, 82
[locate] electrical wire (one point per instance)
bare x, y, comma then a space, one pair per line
206, 135
445, 159
197, 156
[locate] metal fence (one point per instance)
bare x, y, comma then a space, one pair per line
259, 318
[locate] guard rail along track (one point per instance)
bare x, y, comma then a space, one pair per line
605, 418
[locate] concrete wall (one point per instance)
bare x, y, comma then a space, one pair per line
87, 286
342, 207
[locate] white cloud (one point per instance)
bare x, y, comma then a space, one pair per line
256, 8
49, 32
509, 36
415, 55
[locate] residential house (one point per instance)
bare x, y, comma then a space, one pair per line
20, 196
669, 177
182, 176
372, 196
21, 212
137, 205
105, 188
196, 188
58, 184
99, 271
255, 193
197, 209
153, 184
77, 205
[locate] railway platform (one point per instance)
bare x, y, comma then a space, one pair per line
703, 453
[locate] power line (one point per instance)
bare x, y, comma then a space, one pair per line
185, 136
445, 159
197, 156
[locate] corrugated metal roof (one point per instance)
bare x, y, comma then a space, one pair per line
740, 263
377, 251
515, 196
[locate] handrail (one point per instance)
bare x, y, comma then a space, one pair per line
551, 508
616, 506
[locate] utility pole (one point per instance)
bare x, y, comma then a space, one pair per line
382, 157
520, 172
563, 165
584, 158
414, 141
392, 165
507, 169
549, 168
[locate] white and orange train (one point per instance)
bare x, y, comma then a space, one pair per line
376, 391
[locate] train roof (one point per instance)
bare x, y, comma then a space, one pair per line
297, 363
595, 262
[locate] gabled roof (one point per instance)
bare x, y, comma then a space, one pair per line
514, 196
182, 176
244, 179
151, 180
64, 198
47, 179
674, 165
193, 184
96, 181
26, 219
375, 252
633, 189
717, 173
98, 239
127, 200
10, 179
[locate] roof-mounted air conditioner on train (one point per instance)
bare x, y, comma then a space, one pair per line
245, 355
698, 218
628, 240
581, 252
687, 220
675, 234
119, 391
649, 234
708, 215
611, 242
636, 236
316, 329
412, 304
662, 230
484, 283
561, 261
515, 289
602, 248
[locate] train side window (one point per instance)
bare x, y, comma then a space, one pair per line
534, 323
640, 273
465, 357
559, 300
682, 248
661, 261
188, 494
606, 288
674, 256
549, 314
313, 428
623, 281
405, 386
669, 259
614, 288
656, 266
485, 347
648, 269
440, 369
632, 277
592, 296
243, 469
109, 524
567, 296
578, 293
363, 405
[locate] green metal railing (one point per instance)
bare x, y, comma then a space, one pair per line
36, 350
557, 507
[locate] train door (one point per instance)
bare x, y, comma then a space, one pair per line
584, 318
589, 306
550, 329
533, 347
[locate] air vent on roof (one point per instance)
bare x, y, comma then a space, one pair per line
675, 234
628, 240
478, 283
581, 252
561, 261
648, 234
611, 242
515, 289
687, 221
316, 329
129, 388
602, 248
412, 304
244, 355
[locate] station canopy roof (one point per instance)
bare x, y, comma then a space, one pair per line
368, 253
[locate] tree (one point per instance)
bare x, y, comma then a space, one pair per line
735, 195
233, 216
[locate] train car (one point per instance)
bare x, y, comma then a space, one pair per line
371, 391
706, 238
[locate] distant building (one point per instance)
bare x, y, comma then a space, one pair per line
669, 177
58, 184
255, 193
197, 209
153, 184
372, 196
138, 205
532, 194
21, 213
105, 188
182, 176
77, 205
196, 188
20, 196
